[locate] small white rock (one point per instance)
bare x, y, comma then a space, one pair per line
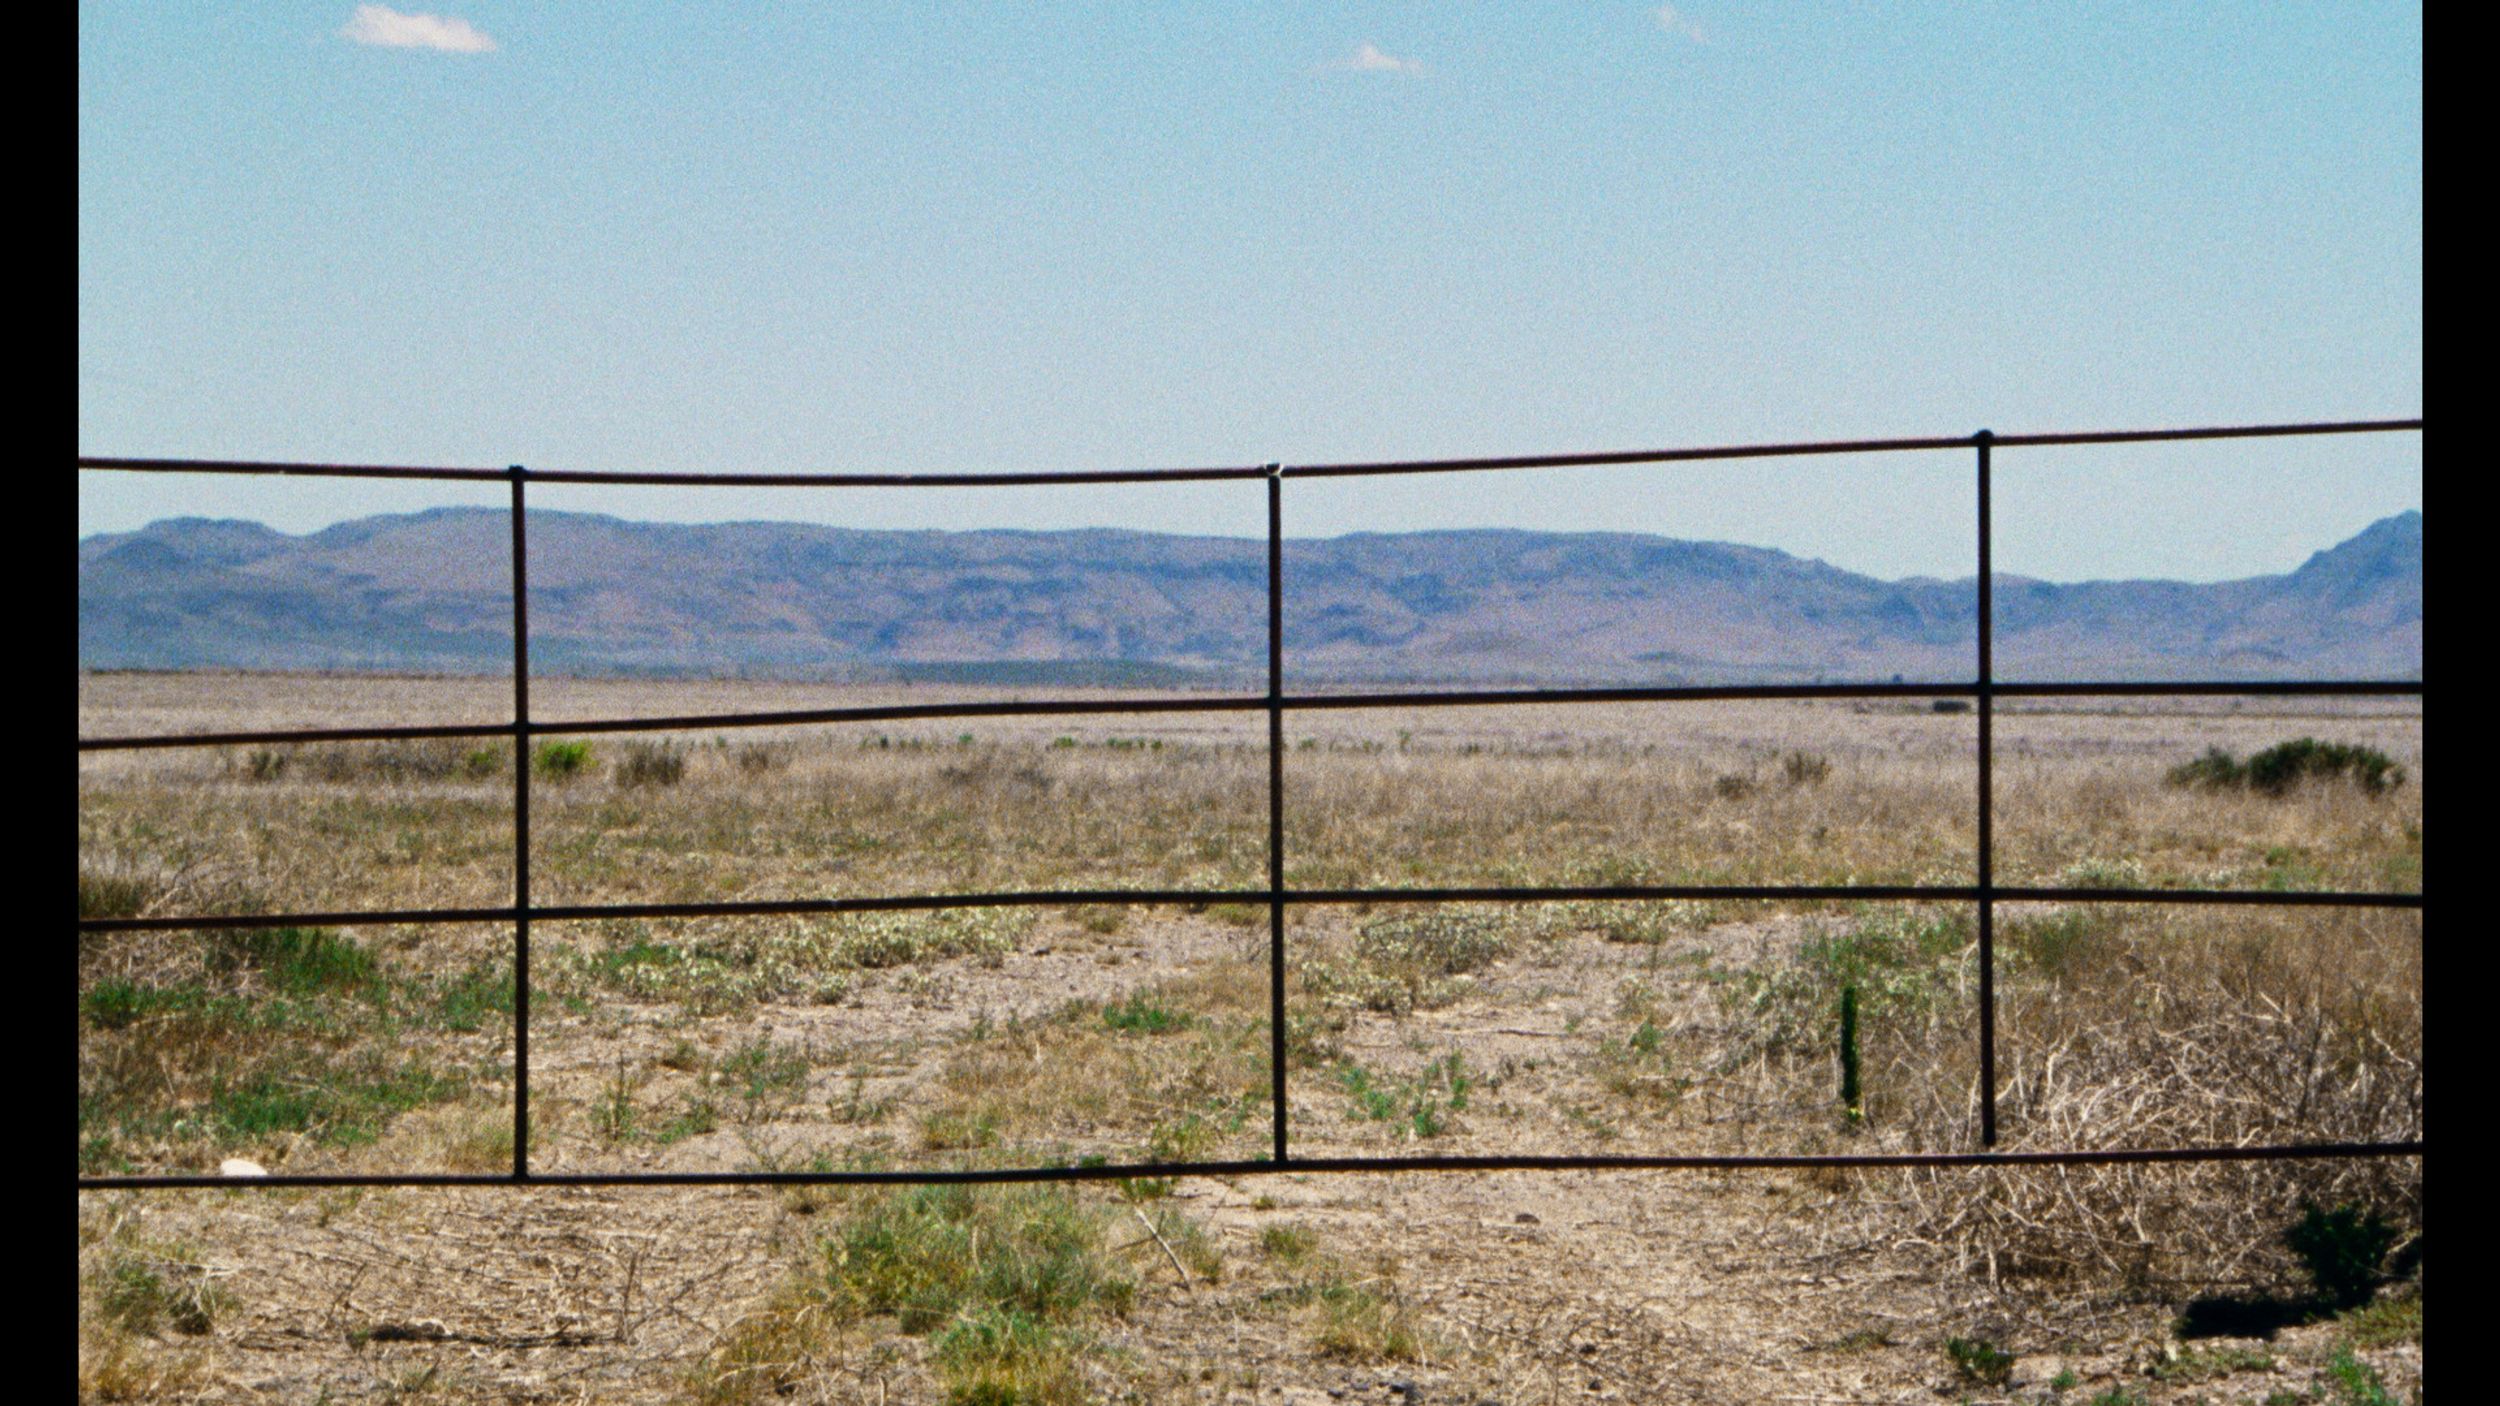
239, 1167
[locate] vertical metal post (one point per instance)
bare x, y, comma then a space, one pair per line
1276, 799
1987, 807
520, 833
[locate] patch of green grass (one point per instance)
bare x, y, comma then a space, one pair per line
301, 962
114, 894
476, 998
1002, 1357
2385, 1323
1142, 1014
614, 1115
1288, 1244
954, 1131
699, 1117
117, 1005
1359, 1323
1639, 1066
342, 1104
1979, 1360
268, 1034
2353, 1382
2207, 1363
147, 1290
762, 1070
1422, 1106
1904, 965
931, 1254
560, 761
1862, 1340
735, 966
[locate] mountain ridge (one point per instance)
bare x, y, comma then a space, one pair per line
429, 592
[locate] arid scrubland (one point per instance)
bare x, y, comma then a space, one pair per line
1020, 1036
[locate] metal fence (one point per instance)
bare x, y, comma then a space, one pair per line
1986, 893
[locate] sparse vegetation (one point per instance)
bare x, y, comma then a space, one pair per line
1979, 1360
651, 764
2279, 768
560, 761
1137, 1033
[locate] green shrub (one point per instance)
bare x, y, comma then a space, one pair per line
1980, 1360
561, 761
2276, 770
2217, 768
2342, 1249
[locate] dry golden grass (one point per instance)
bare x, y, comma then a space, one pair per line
1126, 1033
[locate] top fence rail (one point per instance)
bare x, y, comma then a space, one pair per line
1017, 477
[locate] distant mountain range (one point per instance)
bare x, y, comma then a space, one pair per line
430, 592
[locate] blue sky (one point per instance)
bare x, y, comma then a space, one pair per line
1060, 237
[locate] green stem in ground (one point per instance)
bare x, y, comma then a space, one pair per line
1850, 1105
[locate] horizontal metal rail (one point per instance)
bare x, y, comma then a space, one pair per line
1800, 449
2084, 1157
1291, 897
1983, 693
1245, 703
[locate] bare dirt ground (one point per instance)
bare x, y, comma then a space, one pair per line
1511, 1288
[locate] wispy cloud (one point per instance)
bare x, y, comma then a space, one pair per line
1675, 22
381, 25
1370, 59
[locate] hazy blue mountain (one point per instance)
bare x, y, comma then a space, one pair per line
430, 592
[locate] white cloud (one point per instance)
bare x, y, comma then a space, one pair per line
1674, 22
1369, 59
382, 25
